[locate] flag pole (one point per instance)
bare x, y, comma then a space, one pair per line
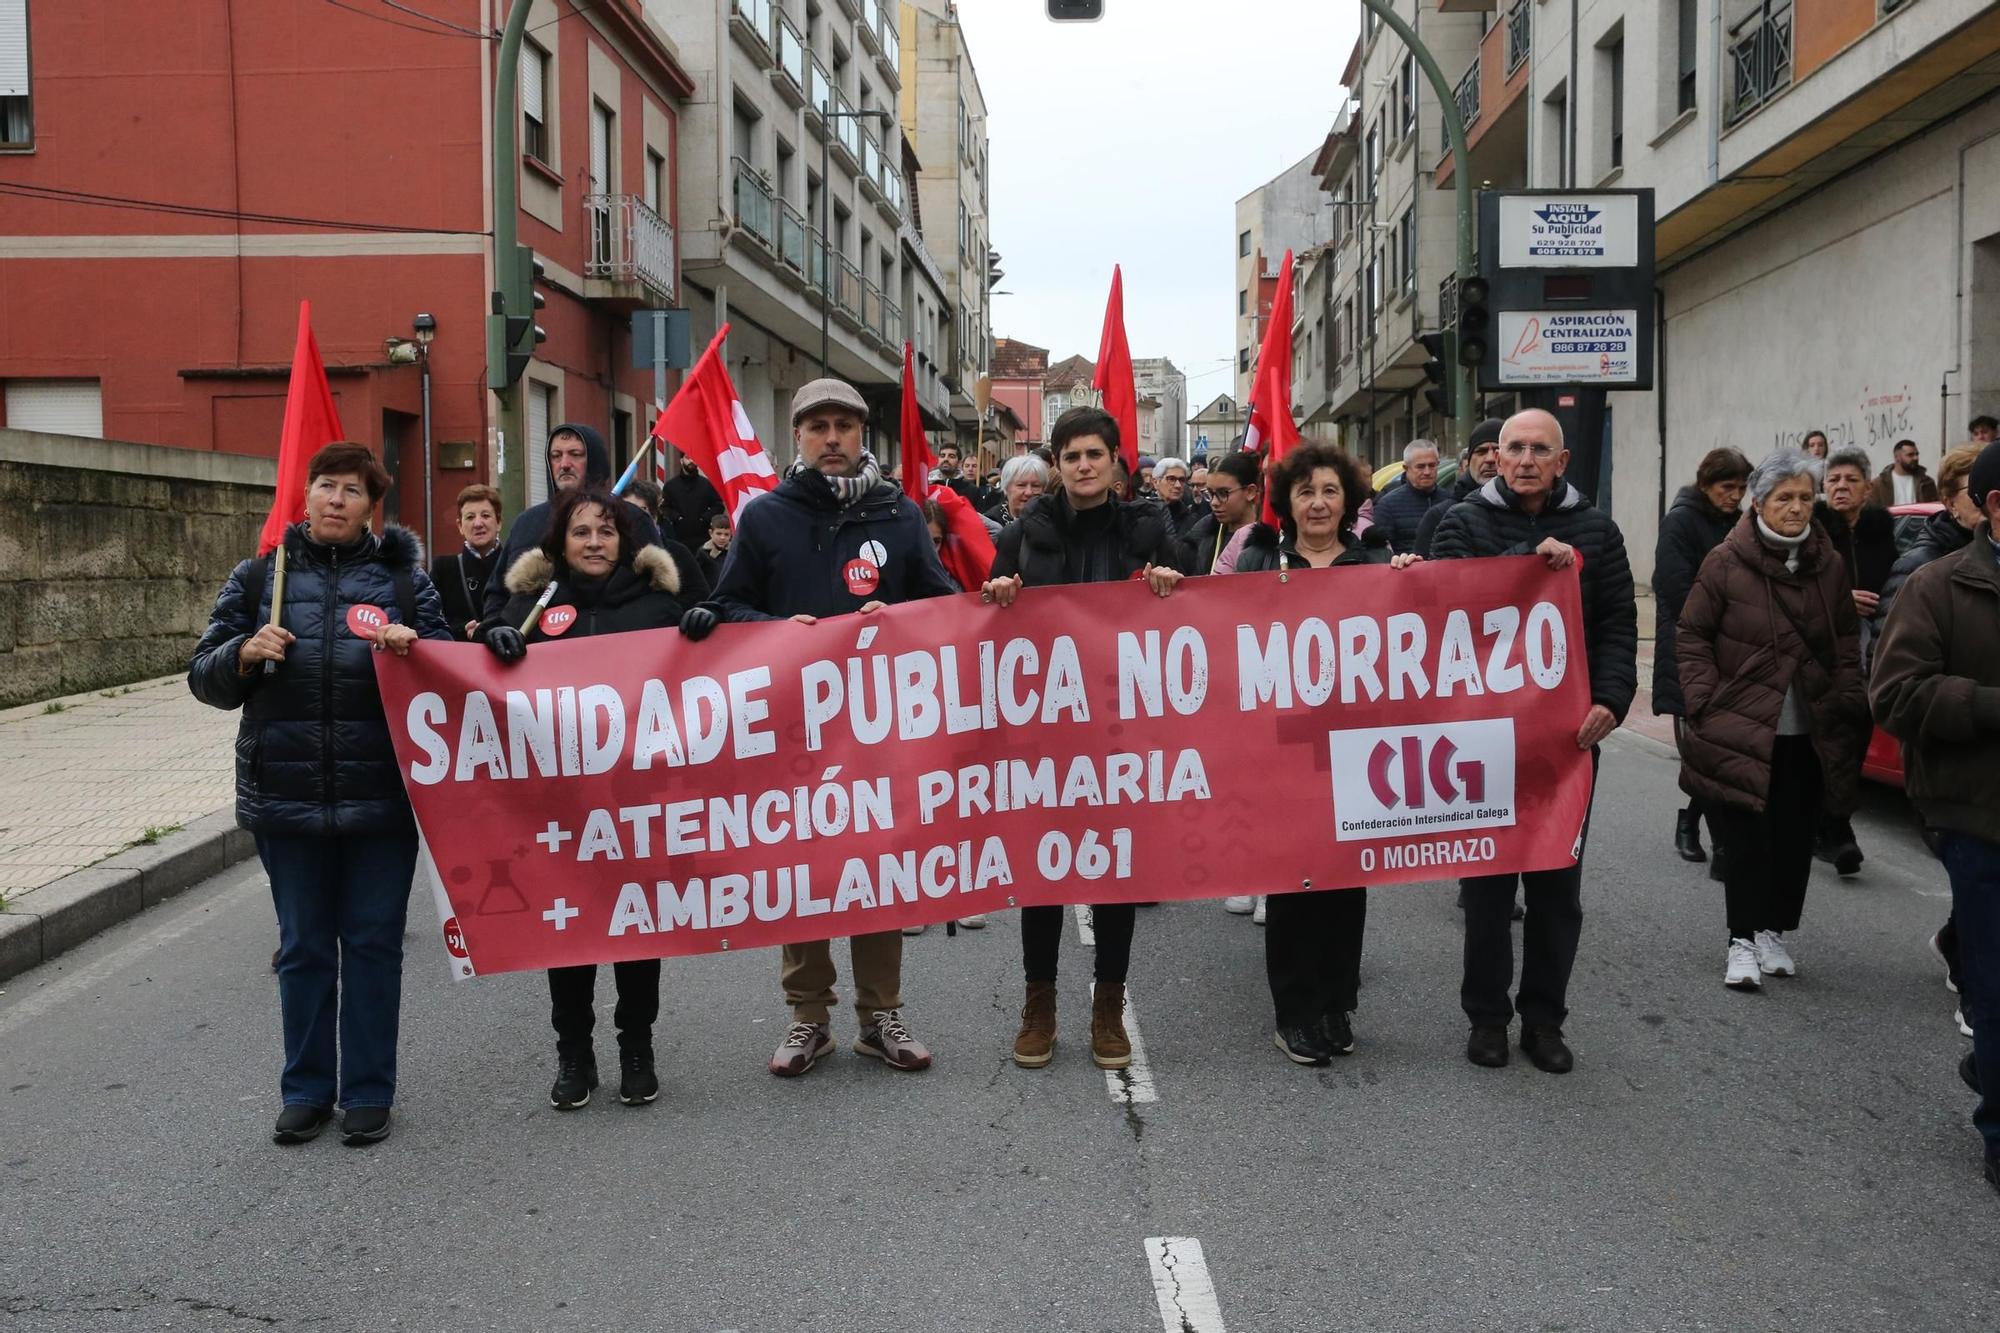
277, 601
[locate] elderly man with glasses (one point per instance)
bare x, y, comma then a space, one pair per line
1529, 510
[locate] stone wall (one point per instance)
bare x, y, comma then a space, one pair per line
111, 555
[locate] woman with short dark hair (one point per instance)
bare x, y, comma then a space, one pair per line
317, 782
1312, 940
1695, 524
592, 568
1080, 533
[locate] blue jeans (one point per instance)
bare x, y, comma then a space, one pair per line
1974, 867
341, 904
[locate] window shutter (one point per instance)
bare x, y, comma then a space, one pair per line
538, 442
57, 407
13, 48
600, 150
533, 64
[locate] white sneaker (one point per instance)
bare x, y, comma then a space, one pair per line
1937, 952
1958, 1017
1742, 973
1257, 913
977, 922
1773, 956
915, 930
1240, 904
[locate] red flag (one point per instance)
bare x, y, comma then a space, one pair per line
706, 422
917, 458
967, 553
311, 422
1271, 421
1113, 378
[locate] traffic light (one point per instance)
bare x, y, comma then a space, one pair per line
1439, 353
1475, 321
511, 332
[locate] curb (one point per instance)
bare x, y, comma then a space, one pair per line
64, 913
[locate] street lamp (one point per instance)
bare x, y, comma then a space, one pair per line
425, 327
829, 115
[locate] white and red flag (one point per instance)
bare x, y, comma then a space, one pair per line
706, 422
1271, 430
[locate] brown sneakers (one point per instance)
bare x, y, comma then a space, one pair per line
889, 1041
802, 1047
1109, 1045
1035, 1043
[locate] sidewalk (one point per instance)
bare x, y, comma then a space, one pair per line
109, 802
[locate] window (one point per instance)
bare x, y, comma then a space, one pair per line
603, 135
541, 412
1408, 95
1243, 302
57, 407
1053, 406
655, 184
1373, 160
1243, 361
1243, 246
1684, 43
17, 121
1406, 240
1553, 168
1373, 292
1615, 55
534, 105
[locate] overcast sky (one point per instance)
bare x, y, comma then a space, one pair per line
1129, 141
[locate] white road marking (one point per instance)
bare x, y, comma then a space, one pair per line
1084, 933
1134, 1084
1182, 1286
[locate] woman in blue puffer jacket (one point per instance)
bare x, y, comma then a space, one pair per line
317, 782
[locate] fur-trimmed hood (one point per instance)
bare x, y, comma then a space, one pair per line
533, 570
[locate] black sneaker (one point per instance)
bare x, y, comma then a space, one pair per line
1966, 1070
363, 1125
637, 1083
1546, 1050
302, 1124
1487, 1046
1338, 1029
1302, 1044
576, 1075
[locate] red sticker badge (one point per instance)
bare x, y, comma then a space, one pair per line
365, 621
454, 939
862, 577
557, 620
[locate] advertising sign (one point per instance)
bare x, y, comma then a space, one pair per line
1569, 231
1568, 347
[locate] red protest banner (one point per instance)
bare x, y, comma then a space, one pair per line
640, 796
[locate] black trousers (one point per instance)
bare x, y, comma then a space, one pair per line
1312, 952
1694, 803
1041, 939
572, 991
1549, 936
1770, 853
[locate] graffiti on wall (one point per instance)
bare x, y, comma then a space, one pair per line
1879, 418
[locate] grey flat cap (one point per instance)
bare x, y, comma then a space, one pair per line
828, 393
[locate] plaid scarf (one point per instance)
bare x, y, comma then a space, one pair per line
847, 489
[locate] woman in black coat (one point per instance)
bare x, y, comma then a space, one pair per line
591, 576
1312, 940
318, 785
1700, 517
1080, 533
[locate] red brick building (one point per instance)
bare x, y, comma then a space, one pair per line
174, 182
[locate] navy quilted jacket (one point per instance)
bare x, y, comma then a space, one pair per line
313, 754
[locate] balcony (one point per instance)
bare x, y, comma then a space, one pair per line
871, 166
852, 8
790, 73
753, 202
869, 26
631, 251
891, 197
847, 288
750, 24
792, 237
819, 87
1760, 58
1467, 94
1517, 35
846, 131
892, 324
871, 308
891, 59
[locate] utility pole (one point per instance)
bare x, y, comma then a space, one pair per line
507, 270
1454, 133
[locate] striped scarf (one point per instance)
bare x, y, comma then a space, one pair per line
847, 489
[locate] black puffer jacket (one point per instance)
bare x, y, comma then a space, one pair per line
1052, 544
1462, 486
1691, 529
1492, 522
313, 755
532, 524
1400, 510
1941, 536
648, 593
1264, 551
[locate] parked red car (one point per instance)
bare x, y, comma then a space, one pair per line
1884, 760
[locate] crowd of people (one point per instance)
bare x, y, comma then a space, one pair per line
1788, 623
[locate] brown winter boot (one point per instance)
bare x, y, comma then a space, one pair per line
1035, 1043
1109, 1045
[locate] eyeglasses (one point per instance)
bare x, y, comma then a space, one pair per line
1516, 448
1223, 492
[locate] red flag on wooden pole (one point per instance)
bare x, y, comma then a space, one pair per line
917, 457
1113, 377
311, 422
707, 423
1271, 430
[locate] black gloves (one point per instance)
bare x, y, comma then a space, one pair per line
697, 621
505, 642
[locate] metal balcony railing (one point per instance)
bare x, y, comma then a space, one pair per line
755, 17
791, 236
1517, 35
869, 26
1467, 93
815, 259
871, 308
629, 242
871, 160
819, 88
1760, 58
892, 323
892, 39
847, 286
790, 49
846, 129
753, 201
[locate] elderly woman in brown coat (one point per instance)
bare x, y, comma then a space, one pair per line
1777, 711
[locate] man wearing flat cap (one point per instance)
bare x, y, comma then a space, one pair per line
834, 538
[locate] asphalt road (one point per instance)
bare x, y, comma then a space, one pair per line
1799, 1159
